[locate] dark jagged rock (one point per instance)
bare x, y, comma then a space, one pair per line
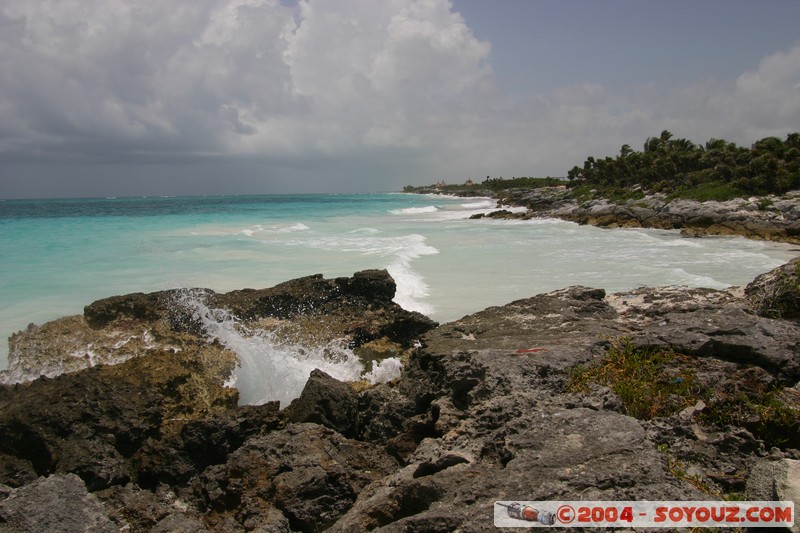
326, 401
310, 473
499, 214
209, 441
481, 412
375, 285
137, 306
286, 300
360, 307
310, 295
94, 422
382, 413
176, 458
86, 426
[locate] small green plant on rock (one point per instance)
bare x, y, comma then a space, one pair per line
660, 382
780, 297
648, 385
763, 412
680, 470
764, 203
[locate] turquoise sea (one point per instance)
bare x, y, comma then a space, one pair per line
59, 255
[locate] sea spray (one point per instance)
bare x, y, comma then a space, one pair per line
269, 369
383, 371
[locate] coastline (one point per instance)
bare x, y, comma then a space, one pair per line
139, 414
769, 218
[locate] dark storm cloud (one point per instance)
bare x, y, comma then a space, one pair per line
111, 97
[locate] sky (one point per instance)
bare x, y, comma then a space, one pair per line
193, 97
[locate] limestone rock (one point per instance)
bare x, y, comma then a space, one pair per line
776, 481
744, 216
55, 503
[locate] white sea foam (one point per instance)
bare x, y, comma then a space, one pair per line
411, 287
483, 204
299, 226
269, 370
414, 210
681, 243
364, 231
682, 277
260, 229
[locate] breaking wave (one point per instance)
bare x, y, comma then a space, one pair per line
269, 370
483, 204
682, 277
260, 229
411, 287
414, 210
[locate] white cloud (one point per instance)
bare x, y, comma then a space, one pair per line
234, 77
346, 80
147, 76
769, 97
377, 72
562, 128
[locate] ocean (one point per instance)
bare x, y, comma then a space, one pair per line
61, 254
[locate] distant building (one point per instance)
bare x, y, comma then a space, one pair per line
440, 184
468, 183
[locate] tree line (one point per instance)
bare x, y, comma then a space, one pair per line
718, 168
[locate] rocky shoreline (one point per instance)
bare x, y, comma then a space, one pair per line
770, 218
141, 432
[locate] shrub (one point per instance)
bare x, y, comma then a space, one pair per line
655, 383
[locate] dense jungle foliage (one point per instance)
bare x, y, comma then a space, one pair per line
718, 170
489, 184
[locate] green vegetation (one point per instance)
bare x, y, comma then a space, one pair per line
719, 192
489, 184
658, 383
784, 301
780, 296
718, 170
500, 184
681, 470
641, 379
764, 413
